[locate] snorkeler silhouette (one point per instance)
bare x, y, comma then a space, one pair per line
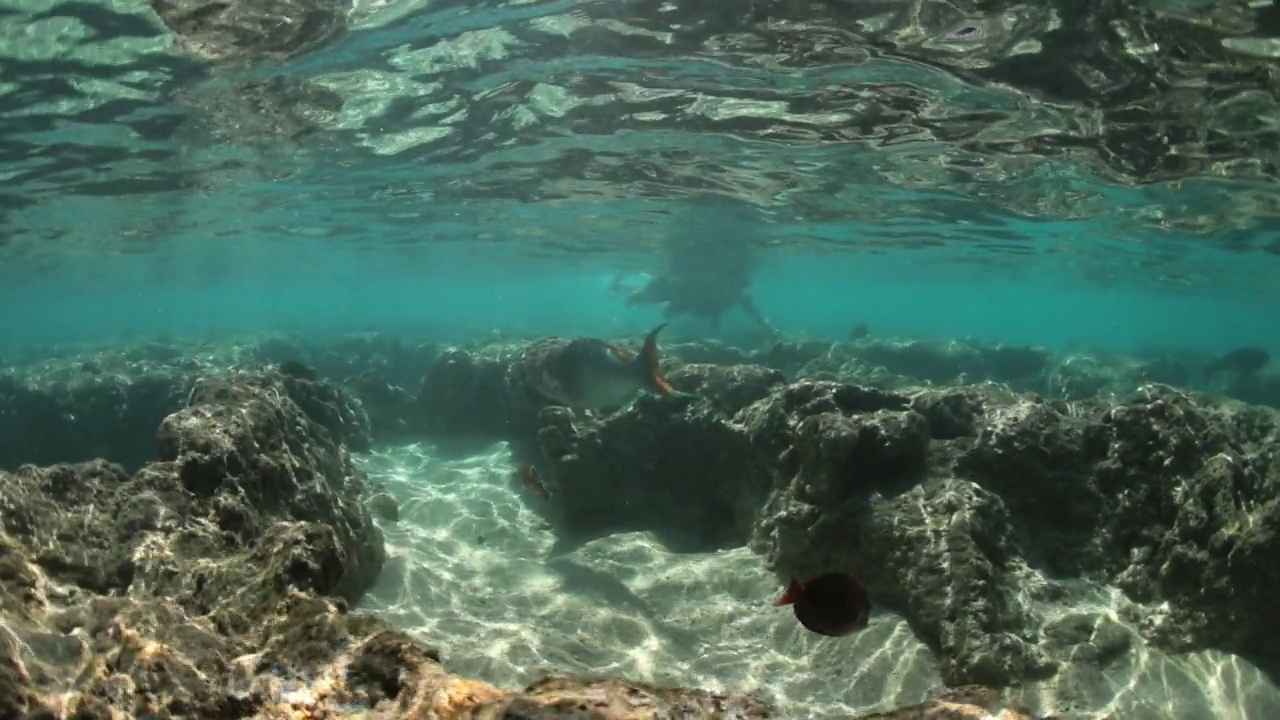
703, 280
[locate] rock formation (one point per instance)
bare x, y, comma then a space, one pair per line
951, 503
212, 576
214, 582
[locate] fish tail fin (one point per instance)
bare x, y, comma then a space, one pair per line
791, 595
648, 363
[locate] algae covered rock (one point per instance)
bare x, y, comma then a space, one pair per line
75, 411
464, 393
663, 464
216, 580
215, 583
186, 564
851, 495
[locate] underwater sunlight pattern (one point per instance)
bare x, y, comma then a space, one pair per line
639, 359
626, 605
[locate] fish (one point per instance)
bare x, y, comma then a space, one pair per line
1241, 362
591, 374
832, 604
532, 481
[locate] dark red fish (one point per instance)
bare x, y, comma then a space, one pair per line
830, 604
533, 482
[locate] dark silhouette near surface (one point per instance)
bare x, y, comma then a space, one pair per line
704, 280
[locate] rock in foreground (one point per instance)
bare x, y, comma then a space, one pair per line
996, 523
215, 583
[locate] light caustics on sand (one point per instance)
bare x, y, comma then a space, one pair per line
472, 570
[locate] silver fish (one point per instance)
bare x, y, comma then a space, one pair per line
591, 374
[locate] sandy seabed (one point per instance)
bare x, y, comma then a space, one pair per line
474, 570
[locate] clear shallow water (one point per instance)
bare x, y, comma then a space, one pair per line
475, 571
462, 292
1081, 176
938, 171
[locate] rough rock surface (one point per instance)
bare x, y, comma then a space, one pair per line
108, 405
981, 514
85, 415
214, 583
951, 504
91, 404
222, 31
967, 702
464, 394
383, 371
678, 468
1167, 497
143, 589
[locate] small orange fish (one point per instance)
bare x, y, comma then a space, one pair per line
533, 482
830, 604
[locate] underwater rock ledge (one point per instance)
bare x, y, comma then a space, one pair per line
1026, 539
215, 583
997, 523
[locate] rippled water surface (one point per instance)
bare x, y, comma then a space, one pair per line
1131, 140
1084, 176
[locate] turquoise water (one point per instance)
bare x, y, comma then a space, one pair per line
463, 165
1090, 178
459, 292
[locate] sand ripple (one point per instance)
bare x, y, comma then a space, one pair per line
472, 569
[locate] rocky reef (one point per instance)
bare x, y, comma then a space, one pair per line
79, 404
107, 404
985, 516
952, 503
215, 582
209, 569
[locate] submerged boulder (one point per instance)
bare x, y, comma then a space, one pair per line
851, 493
215, 583
984, 517
668, 465
464, 393
194, 560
